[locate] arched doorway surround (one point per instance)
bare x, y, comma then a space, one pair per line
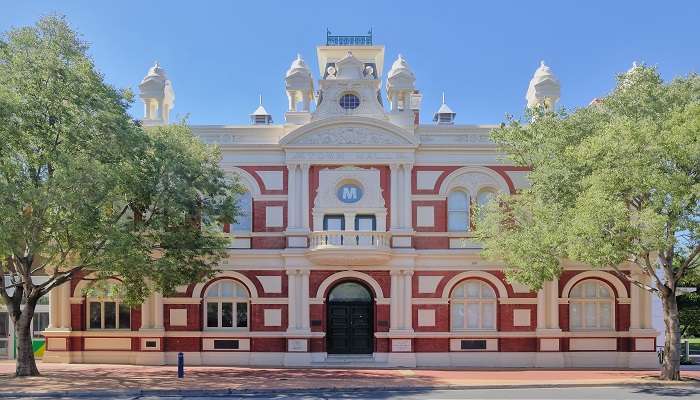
349, 323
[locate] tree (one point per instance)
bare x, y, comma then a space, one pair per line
689, 305
85, 191
615, 182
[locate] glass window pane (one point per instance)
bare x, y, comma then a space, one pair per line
95, 315
576, 292
350, 291
575, 317
227, 315
212, 315
213, 290
124, 317
110, 310
604, 292
488, 316
240, 291
244, 221
472, 315
457, 201
334, 223
473, 289
590, 310
40, 322
487, 291
457, 316
4, 324
227, 289
458, 293
484, 197
43, 301
606, 315
242, 315
590, 289
457, 221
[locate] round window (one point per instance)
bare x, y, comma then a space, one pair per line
349, 193
349, 101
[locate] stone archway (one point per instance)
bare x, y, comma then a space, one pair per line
350, 319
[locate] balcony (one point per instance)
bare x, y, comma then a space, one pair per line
349, 247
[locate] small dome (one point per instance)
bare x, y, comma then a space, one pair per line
298, 65
399, 66
157, 70
544, 86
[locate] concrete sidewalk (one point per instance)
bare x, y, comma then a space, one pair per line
129, 379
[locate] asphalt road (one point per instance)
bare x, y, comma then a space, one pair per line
570, 393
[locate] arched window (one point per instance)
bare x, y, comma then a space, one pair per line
473, 306
244, 221
106, 312
457, 211
226, 303
483, 198
591, 306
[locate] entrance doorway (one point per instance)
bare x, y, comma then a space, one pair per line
4, 335
349, 327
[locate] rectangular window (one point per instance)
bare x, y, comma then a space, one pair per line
334, 223
226, 344
124, 317
365, 223
110, 315
212, 315
40, 322
241, 315
227, 315
473, 345
95, 315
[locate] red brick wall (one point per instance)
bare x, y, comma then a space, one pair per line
506, 315
438, 182
442, 317
257, 317
268, 242
194, 318
440, 213
182, 344
253, 170
431, 345
431, 242
259, 217
517, 344
268, 344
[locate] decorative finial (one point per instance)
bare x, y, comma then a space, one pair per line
298, 56
443, 97
634, 64
542, 64
260, 98
156, 64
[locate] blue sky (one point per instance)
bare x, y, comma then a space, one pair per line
221, 54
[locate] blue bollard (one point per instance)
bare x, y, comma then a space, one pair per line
180, 365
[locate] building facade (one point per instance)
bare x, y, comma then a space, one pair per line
357, 245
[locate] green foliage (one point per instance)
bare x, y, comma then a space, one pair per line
616, 181
85, 190
689, 305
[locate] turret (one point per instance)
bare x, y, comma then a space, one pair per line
444, 115
260, 116
544, 88
158, 96
300, 89
400, 85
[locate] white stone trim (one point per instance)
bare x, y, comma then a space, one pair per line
197, 292
246, 179
451, 181
323, 287
500, 287
605, 276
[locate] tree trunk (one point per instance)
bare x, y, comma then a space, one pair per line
671, 367
26, 363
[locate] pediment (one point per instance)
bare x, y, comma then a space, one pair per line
349, 131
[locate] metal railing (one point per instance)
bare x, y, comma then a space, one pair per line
349, 239
344, 40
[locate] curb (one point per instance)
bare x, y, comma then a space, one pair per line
229, 392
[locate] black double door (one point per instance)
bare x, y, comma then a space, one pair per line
349, 329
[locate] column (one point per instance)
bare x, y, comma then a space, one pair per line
55, 320
406, 194
394, 209
305, 309
65, 295
146, 313
304, 196
292, 204
541, 310
554, 309
293, 300
394, 307
408, 299
157, 311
